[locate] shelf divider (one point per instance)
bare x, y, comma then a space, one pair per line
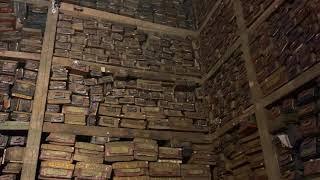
34, 135
125, 132
269, 153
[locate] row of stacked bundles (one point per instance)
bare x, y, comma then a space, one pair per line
67, 156
89, 95
252, 9
218, 35
175, 13
295, 123
123, 45
21, 26
11, 156
17, 87
7, 19
286, 44
228, 91
240, 153
202, 8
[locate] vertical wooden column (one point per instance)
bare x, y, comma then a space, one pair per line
270, 156
36, 122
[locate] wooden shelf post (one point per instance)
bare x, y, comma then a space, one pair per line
34, 135
270, 156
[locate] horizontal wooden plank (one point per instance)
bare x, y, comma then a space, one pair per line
224, 59
231, 124
265, 15
143, 25
194, 129
124, 132
205, 22
139, 73
31, 154
20, 55
14, 125
292, 85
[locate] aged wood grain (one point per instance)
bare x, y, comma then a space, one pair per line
125, 133
270, 156
35, 130
143, 25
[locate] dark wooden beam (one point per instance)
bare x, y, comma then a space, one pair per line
20, 55
234, 122
292, 85
265, 15
143, 25
35, 130
125, 132
144, 74
269, 153
205, 22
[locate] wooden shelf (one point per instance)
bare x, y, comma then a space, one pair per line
20, 55
265, 15
31, 154
205, 22
224, 59
14, 125
274, 6
125, 132
269, 154
231, 124
151, 75
292, 85
143, 25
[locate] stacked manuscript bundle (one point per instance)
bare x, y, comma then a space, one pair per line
119, 151
21, 26
57, 157
89, 153
17, 87
92, 171
145, 149
36, 17
7, 19
123, 45
276, 53
250, 158
203, 155
295, 123
80, 94
119, 159
215, 41
253, 9
131, 170
239, 152
65, 158
164, 169
195, 171
8, 31
171, 13
167, 154
11, 156
202, 9
31, 40
229, 91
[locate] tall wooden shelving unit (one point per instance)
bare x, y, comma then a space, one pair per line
37, 126
18, 56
